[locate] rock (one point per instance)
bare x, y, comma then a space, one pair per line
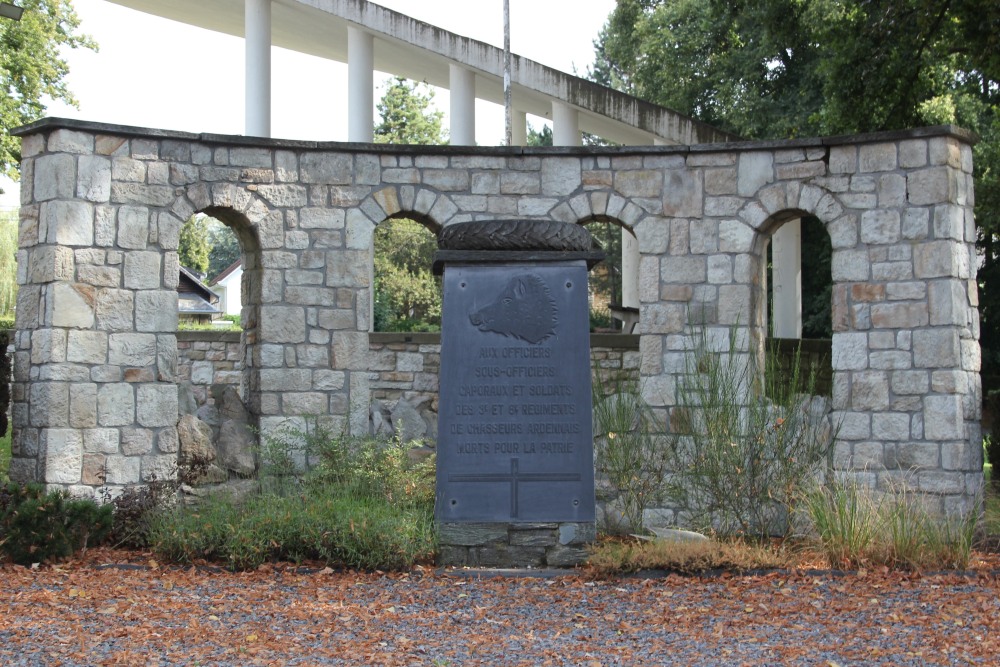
237, 442
195, 438
187, 404
677, 535
210, 415
236, 448
407, 422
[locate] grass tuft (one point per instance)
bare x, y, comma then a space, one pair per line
615, 557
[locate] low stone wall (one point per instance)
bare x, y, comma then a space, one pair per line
403, 375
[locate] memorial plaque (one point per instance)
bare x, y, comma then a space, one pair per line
515, 439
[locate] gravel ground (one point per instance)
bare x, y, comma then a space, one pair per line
85, 615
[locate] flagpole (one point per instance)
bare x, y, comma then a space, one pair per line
508, 111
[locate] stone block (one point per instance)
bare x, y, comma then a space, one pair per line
283, 324
899, 315
142, 270
870, 390
326, 168
68, 223
943, 417
935, 185
72, 305
640, 183
682, 194
133, 227
54, 177
755, 170
849, 351
116, 405
156, 405
936, 348
880, 226
71, 141
63, 453
560, 175
877, 157
94, 178
100, 440
156, 311
87, 347
136, 441
850, 266
114, 311
350, 350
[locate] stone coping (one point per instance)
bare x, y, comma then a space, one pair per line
55, 123
187, 335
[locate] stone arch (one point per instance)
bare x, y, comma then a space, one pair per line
626, 264
425, 221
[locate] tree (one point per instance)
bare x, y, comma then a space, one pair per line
225, 247
33, 68
406, 117
193, 247
407, 295
542, 137
8, 262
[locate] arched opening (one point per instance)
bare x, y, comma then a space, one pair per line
406, 295
798, 287
219, 369
614, 283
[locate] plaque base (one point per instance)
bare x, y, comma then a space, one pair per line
505, 544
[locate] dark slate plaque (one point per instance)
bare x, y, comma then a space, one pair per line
515, 439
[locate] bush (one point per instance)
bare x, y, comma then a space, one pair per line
744, 450
354, 502
332, 527
36, 526
859, 527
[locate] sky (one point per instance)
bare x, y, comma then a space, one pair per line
151, 72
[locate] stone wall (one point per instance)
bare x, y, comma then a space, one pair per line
404, 366
96, 344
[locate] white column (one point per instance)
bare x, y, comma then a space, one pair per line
786, 276
565, 125
519, 133
630, 269
360, 84
462, 114
257, 27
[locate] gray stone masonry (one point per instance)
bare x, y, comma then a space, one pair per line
95, 361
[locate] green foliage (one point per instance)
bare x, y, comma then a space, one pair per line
542, 137
7, 322
33, 68
193, 249
776, 69
605, 279
330, 526
859, 527
8, 264
991, 450
405, 115
36, 526
224, 247
630, 453
407, 294
5, 455
744, 451
345, 501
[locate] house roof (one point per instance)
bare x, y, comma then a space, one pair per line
226, 272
